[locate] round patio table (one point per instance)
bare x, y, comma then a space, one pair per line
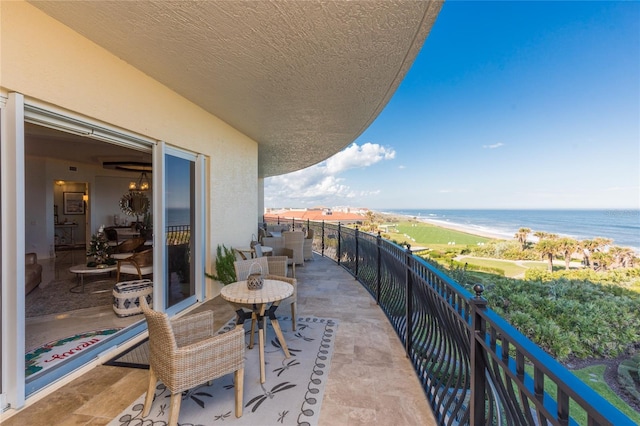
272, 292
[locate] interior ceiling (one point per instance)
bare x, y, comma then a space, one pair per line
302, 78
45, 142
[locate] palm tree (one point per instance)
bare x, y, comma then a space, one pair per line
547, 249
591, 247
623, 257
601, 260
567, 246
588, 247
522, 235
371, 218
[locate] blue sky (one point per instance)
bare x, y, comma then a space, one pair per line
508, 105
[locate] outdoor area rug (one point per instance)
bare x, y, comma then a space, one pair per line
291, 395
56, 351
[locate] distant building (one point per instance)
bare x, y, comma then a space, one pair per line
318, 214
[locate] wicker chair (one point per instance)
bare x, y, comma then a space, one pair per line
272, 268
278, 249
307, 248
140, 263
294, 240
187, 352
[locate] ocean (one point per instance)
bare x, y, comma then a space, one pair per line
622, 226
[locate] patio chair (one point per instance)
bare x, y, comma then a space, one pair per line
294, 240
307, 247
258, 250
272, 267
187, 352
139, 263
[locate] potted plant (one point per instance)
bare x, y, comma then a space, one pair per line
225, 272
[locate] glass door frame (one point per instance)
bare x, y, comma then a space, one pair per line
160, 224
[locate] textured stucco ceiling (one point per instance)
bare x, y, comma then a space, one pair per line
302, 78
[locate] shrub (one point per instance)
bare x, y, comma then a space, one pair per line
225, 271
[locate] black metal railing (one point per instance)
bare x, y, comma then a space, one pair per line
475, 368
178, 234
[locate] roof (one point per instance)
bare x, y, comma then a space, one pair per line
302, 78
314, 215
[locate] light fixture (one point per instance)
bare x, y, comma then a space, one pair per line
142, 184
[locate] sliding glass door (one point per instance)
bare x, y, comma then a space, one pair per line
182, 227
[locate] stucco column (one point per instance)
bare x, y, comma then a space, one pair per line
260, 200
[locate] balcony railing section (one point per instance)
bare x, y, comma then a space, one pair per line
475, 368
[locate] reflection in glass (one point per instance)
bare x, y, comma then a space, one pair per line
180, 202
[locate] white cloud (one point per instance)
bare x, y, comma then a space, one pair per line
321, 183
402, 167
355, 156
494, 146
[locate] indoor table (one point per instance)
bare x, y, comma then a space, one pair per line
82, 270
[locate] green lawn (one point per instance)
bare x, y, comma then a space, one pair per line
426, 234
510, 268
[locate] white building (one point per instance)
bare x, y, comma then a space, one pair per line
209, 107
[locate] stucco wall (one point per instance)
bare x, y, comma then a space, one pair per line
48, 62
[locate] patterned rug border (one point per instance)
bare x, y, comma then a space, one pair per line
207, 406
33, 356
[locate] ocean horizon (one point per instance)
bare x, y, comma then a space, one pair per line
620, 225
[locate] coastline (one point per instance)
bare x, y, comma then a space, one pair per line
617, 225
467, 229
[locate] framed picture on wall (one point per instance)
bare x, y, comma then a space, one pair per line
73, 202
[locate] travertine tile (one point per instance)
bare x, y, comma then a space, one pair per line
370, 381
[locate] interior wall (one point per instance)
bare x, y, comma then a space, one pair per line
105, 188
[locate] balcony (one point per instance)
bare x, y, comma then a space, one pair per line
455, 361
362, 388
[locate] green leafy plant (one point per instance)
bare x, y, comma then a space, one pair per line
225, 272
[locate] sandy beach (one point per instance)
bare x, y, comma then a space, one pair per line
467, 229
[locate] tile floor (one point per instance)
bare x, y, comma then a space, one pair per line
370, 382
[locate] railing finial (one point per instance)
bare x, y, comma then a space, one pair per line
479, 289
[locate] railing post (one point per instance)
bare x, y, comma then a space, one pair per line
278, 220
308, 225
322, 248
357, 251
293, 224
478, 385
409, 300
338, 253
379, 266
